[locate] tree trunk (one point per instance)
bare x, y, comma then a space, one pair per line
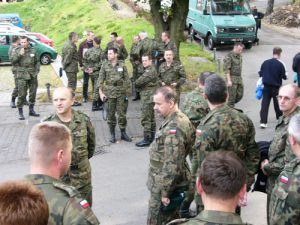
270, 7
175, 23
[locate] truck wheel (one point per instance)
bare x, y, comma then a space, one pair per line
45, 59
191, 32
248, 45
210, 42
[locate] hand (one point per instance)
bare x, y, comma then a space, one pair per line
163, 83
174, 84
229, 83
102, 96
90, 70
262, 165
165, 201
22, 51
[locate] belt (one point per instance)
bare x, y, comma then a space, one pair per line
117, 83
79, 165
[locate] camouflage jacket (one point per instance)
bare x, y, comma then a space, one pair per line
122, 53
11, 51
28, 63
226, 128
113, 80
195, 106
66, 207
168, 169
83, 140
132, 56
171, 45
285, 198
210, 217
277, 150
233, 64
146, 46
70, 57
93, 59
172, 74
148, 81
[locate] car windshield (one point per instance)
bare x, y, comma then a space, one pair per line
230, 7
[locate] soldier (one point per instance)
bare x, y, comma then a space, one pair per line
222, 185
171, 73
122, 51
233, 71
112, 43
92, 61
168, 175
49, 147
225, 128
83, 47
113, 83
195, 106
168, 44
69, 62
22, 203
83, 138
135, 62
285, 198
28, 68
146, 85
14, 68
289, 99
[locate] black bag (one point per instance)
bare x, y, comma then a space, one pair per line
261, 179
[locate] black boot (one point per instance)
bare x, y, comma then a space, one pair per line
32, 112
152, 136
13, 102
100, 104
112, 135
21, 115
124, 136
145, 142
137, 97
95, 106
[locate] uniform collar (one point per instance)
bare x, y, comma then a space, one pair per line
219, 217
40, 179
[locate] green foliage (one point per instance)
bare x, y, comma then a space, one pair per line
57, 19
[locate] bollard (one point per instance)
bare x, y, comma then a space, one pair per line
215, 54
48, 85
219, 64
202, 43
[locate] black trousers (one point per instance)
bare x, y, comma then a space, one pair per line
85, 85
270, 92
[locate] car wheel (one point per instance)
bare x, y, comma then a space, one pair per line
248, 45
210, 42
45, 59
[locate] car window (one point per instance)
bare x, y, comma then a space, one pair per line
3, 40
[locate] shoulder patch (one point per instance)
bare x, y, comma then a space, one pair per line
284, 179
172, 131
69, 189
84, 204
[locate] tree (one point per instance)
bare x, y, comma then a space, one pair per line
270, 7
169, 18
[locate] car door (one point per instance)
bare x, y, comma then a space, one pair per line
4, 47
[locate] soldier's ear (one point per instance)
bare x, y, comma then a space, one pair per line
199, 186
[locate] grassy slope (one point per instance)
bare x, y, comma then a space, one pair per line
56, 18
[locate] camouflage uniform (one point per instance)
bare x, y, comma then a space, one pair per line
27, 71
225, 128
147, 85
171, 45
122, 53
168, 170
172, 74
135, 62
210, 217
83, 140
14, 69
65, 204
233, 66
276, 154
69, 62
285, 197
195, 106
114, 81
93, 59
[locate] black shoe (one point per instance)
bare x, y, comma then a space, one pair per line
76, 103
124, 136
112, 135
21, 115
85, 100
137, 97
32, 112
145, 142
95, 106
13, 102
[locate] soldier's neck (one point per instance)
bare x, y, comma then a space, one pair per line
66, 117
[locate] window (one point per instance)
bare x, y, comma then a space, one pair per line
199, 5
3, 40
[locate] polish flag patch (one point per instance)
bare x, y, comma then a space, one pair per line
198, 132
84, 204
284, 179
172, 131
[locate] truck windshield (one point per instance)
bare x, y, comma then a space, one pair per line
230, 7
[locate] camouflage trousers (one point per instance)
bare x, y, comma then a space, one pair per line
23, 86
236, 91
117, 105
72, 80
95, 92
80, 177
14, 93
148, 116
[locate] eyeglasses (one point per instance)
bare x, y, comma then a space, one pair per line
284, 98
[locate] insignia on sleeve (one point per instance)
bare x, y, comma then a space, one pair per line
198, 132
284, 179
84, 204
172, 131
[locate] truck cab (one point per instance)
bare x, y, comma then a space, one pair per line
222, 22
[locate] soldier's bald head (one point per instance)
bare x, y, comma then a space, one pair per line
68, 92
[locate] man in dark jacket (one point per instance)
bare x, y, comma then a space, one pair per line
296, 66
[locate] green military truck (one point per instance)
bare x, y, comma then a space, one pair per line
221, 22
